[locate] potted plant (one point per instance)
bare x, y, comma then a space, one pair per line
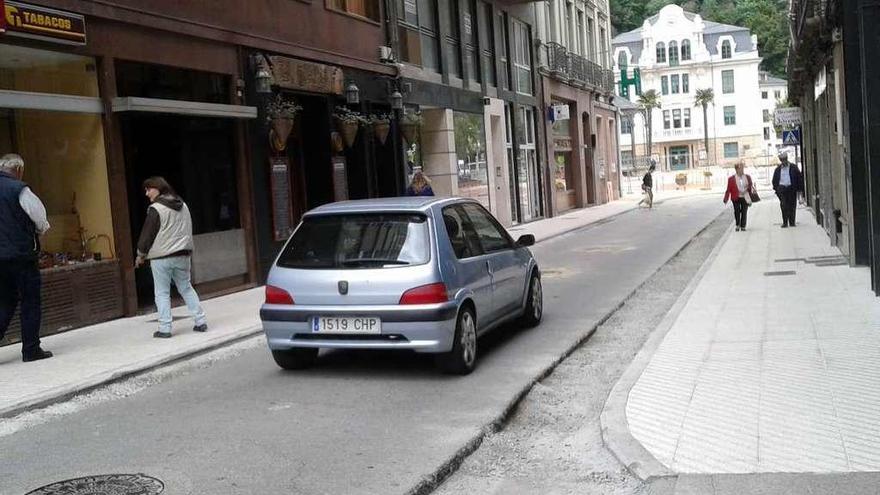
381, 126
349, 123
280, 113
409, 126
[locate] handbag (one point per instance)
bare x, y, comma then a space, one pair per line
753, 195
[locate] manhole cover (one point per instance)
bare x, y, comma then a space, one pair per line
105, 484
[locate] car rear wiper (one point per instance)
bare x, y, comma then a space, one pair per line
362, 261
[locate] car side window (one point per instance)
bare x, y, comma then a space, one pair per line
492, 235
465, 242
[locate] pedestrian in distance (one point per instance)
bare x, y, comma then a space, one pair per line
22, 221
739, 190
419, 185
648, 188
788, 183
166, 241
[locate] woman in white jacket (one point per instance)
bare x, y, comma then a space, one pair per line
166, 241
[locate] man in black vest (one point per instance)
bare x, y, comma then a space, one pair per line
22, 221
788, 182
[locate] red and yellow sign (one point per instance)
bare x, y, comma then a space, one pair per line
31, 21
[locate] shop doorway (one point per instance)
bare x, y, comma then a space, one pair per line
679, 158
589, 152
197, 157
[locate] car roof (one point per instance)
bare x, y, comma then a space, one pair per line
406, 203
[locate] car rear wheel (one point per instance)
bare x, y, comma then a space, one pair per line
462, 359
295, 359
534, 303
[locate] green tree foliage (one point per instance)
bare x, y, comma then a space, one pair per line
768, 19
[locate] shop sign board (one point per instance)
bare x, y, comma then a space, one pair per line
559, 112
300, 75
2, 16
787, 116
282, 216
32, 21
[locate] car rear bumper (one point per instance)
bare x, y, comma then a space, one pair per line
422, 328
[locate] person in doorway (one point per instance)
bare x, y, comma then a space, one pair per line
22, 221
166, 241
648, 187
788, 182
739, 188
420, 185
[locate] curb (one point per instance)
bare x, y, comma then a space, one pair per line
431, 481
67, 392
613, 422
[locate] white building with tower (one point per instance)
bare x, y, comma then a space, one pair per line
678, 53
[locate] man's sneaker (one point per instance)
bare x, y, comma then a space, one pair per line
201, 328
162, 335
35, 355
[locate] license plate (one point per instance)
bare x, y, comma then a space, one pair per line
347, 324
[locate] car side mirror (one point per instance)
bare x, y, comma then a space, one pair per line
525, 241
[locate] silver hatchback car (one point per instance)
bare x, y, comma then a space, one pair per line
424, 274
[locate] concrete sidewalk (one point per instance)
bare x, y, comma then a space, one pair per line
92, 356
772, 364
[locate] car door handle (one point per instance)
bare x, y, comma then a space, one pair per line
489, 267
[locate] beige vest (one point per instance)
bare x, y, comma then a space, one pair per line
175, 231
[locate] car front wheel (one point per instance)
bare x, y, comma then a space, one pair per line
462, 359
295, 359
534, 310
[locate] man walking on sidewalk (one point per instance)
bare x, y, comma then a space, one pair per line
166, 240
788, 182
22, 221
648, 187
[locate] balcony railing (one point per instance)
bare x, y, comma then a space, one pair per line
555, 60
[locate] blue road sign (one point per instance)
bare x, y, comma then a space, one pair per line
791, 138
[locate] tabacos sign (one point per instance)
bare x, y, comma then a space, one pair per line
31, 21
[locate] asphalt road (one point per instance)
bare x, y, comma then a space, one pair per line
359, 422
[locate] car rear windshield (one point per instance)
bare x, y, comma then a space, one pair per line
356, 241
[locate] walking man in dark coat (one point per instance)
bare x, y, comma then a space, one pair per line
22, 221
788, 182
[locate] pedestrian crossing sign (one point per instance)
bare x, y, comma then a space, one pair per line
791, 138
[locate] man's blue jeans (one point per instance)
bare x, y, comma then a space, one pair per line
175, 269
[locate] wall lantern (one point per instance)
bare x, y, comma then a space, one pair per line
262, 75
352, 94
396, 100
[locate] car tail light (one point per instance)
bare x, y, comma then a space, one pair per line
274, 295
425, 294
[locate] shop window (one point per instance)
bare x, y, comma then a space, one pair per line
730, 115
368, 9
685, 83
522, 58
64, 153
727, 81
661, 53
686, 49
418, 33
527, 178
470, 150
159, 81
674, 80
731, 150
726, 51
664, 85
673, 53
667, 121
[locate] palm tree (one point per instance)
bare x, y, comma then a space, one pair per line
703, 98
648, 101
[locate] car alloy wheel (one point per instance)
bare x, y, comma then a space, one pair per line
537, 299
468, 339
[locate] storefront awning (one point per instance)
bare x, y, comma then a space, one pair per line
180, 107
25, 100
